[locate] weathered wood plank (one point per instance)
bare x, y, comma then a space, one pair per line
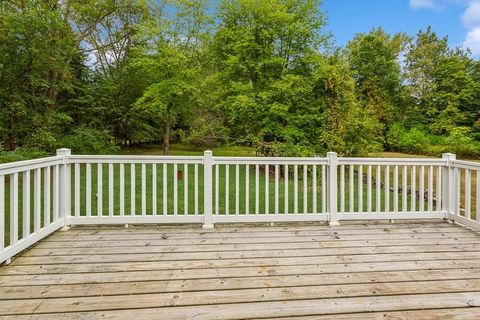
152, 248
97, 277
245, 272
124, 288
195, 298
265, 227
252, 239
292, 241
431, 314
172, 256
229, 263
284, 231
284, 308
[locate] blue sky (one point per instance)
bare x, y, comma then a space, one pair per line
457, 19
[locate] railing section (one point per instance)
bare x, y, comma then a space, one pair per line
135, 189
40, 196
465, 193
390, 188
269, 189
31, 202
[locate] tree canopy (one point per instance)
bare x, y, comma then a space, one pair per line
96, 75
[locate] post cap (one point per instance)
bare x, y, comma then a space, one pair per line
331, 154
64, 152
449, 156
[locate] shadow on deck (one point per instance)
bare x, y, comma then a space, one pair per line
415, 270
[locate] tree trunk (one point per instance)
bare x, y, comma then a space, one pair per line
168, 129
166, 139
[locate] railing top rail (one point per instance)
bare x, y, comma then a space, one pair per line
392, 161
19, 166
466, 164
135, 159
270, 160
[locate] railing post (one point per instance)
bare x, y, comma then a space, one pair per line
332, 189
207, 193
448, 185
64, 186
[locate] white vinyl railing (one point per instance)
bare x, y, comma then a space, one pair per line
269, 189
37, 197
31, 201
464, 193
395, 188
135, 189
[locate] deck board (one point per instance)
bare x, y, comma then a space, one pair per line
306, 271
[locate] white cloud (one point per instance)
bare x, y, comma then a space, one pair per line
471, 16
423, 4
472, 41
471, 20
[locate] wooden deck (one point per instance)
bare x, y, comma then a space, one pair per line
298, 271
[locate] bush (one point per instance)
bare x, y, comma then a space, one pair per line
88, 141
21, 154
460, 143
417, 140
277, 149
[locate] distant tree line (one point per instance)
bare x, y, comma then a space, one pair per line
94, 75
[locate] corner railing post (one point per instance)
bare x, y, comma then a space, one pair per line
64, 186
207, 193
332, 188
448, 185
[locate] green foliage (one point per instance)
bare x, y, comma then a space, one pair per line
20, 154
459, 141
270, 65
285, 150
85, 140
35, 43
94, 75
418, 140
347, 128
374, 60
442, 84
415, 140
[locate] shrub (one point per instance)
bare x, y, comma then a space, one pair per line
416, 140
20, 154
87, 141
277, 149
462, 144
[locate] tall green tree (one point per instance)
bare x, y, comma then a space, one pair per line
45, 48
442, 83
35, 42
374, 58
173, 63
266, 53
347, 128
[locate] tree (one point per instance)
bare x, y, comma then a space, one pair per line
347, 128
265, 55
375, 60
50, 42
96, 74
173, 64
35, 42
442, 83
